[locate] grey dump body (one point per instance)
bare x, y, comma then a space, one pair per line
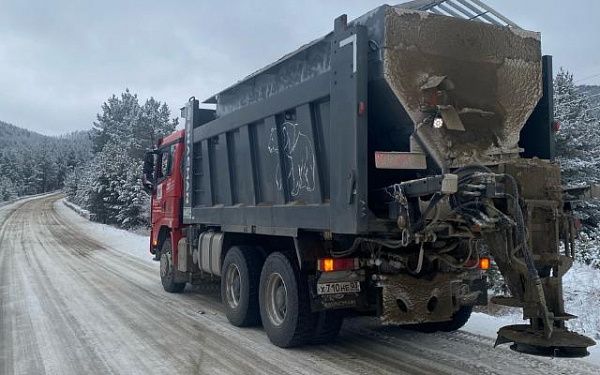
292, 147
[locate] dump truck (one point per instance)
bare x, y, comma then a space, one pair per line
379, 170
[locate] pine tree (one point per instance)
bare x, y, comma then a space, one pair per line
578, 142
8, 190
152, 124
116, 122
578, 151
35, 163
110, 186
134, 202
71, 184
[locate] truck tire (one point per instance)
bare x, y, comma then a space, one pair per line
284, 302
459, 319
327, 327
167, 270
240, 278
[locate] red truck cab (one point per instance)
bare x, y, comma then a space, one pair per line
163, 178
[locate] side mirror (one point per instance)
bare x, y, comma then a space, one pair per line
148, 171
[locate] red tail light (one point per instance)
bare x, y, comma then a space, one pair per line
337, 264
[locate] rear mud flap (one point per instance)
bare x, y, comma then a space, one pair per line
410, 300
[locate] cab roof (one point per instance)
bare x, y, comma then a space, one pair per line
173, 137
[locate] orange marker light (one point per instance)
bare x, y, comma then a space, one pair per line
327, 264
331, 264
154, 242
484, 263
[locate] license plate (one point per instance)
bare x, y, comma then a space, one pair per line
338, 288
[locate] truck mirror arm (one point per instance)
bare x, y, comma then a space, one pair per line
147, 185
148, 179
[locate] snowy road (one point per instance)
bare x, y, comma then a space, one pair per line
77, 300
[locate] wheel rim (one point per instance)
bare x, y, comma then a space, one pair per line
164, 265
276, 300
233, 286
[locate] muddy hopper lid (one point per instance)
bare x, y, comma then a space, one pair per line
469, 87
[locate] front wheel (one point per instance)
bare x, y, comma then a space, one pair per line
167, 269
284, 302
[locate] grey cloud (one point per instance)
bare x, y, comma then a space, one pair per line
59, 60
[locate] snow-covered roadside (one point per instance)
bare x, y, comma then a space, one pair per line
24, 198
487, 325
118, 239
582, 298
580, 284
80, 211
4, 203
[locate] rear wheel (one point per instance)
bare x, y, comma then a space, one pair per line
327, 327
167, 269
284, 302
459, 319
240, 276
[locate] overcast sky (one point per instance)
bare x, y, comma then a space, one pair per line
59, 60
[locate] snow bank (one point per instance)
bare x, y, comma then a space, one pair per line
581, 286
25, 198
80, 211
4, 203
117, 239
582, 298
487, 325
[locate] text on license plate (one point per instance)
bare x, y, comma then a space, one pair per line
336, 288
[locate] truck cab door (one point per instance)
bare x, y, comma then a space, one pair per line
163, 172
